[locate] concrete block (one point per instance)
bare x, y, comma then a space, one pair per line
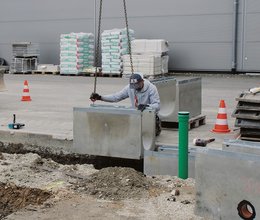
241, 146
227, 184
178, 95
113, 131
165, 161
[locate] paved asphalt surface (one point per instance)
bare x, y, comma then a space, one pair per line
54, 96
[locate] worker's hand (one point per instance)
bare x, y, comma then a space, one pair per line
94, 97
142, 107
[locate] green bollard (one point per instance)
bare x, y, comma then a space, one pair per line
183, 144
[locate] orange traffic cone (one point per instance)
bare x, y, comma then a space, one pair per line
221, 124
26, 96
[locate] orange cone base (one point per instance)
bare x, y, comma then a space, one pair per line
220, 130
26, 99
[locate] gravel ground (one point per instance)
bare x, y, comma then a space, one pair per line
81, 191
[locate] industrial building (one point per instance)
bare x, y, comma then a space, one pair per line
203, 35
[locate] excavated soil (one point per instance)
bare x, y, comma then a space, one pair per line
13, 198
69, 190
117, 183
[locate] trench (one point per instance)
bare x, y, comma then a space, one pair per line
14, 198
98, 162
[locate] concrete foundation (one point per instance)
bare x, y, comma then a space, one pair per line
178, 95
113, 131
227, 184
165, 161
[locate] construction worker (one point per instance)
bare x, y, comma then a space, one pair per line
142, 94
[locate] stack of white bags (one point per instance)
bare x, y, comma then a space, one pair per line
76, 52
149, 57
114, 44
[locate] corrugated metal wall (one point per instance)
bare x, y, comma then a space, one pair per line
200, 32
249, 36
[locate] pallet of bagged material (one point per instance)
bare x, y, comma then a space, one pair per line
193, 123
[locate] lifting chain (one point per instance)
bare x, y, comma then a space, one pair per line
128, 38
97, 47
98, 42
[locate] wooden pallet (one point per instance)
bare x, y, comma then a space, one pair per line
111, 75
27, 72
65, 74
89, 74
45, 72
193, 122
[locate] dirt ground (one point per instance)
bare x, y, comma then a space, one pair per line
32, 187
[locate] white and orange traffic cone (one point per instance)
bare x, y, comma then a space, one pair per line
221, 125
26, 95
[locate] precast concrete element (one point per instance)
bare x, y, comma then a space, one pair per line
227, 184
249, 147
165, 161
113, 131
2, 83
178, 95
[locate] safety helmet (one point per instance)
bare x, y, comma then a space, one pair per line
135, 78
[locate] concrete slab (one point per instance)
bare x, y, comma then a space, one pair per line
53, 98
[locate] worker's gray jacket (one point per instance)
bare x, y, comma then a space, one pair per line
148, 95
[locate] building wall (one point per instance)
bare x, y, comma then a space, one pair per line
200, 32
249, 36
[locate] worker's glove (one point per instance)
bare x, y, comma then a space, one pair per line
142, 107
94, 97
